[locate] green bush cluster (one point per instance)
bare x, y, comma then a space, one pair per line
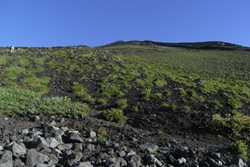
182, 91
37, 84
22, 101
101, 134
240, 148
217, 104
166, 106
109, 90
234, 123
114, 115
122, 103
79, 90
146, 94
234, 102
135, 109
11, 73
102, 101
160, 83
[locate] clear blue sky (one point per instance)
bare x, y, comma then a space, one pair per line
98, 22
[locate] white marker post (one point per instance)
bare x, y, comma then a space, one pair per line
12, 49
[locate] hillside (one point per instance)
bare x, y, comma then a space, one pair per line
196, 92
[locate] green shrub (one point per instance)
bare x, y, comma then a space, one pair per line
51, 64
102, 101
208, 88
167, 92
158, 96
191, 92
21, 101
40, 89
122, 103
234, 102
173, 107
105, 79
186, 108
153, 153
240, 148
165, 106
99, 67
160, 83
160, 132
40, 61
79, 91
77, 88
84, 78
37, 84
114, 115
200, 98
109, 89
217, 104
146, 94
182, 91
101, 134
119, 94
86, 97
10, 84
135, 109
11, 73
141, 83
23, 62
3, 60
232, 124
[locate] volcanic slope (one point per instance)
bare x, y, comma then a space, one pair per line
189, 89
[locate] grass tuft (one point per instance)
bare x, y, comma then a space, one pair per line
114, 115
240, 148
122, 103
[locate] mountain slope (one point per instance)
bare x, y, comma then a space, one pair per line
181, 89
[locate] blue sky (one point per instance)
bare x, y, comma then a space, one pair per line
98, 22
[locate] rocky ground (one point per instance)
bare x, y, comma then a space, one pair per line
77, 142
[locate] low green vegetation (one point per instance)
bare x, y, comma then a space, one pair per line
234, 123
11, 73
160, 83
146, 94
10, 84
153, 153
234, 102
22, 101
240, 148
160, 132
186, 108
114, 115
167, 92
109, 90
182, 91
217, 104
102, 101
37, 84
166, 106
101, 134
122, 103
158, 96
135, 109
80, 91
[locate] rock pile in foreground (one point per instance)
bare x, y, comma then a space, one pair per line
49, 145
